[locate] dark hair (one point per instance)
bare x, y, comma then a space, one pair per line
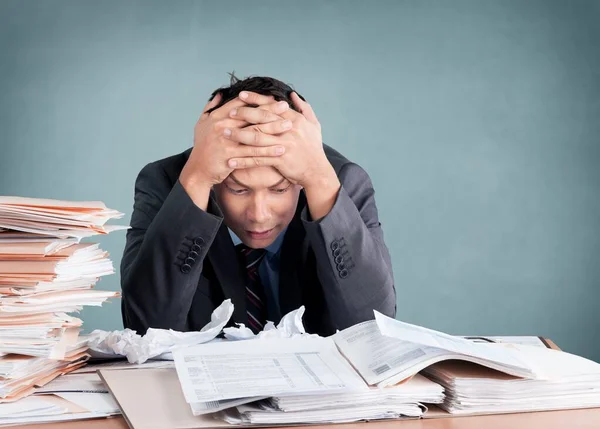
259, 84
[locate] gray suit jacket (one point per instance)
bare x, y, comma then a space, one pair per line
179, 262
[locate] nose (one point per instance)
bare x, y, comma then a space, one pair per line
258, 211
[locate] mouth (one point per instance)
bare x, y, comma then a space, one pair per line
260, 235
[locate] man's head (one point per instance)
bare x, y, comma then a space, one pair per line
259, 84
257, 203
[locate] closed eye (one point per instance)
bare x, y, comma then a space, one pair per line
281, 190
237, 191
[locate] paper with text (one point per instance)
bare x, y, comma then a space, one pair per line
228, 370
387, 351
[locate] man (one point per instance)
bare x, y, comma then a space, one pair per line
258, 211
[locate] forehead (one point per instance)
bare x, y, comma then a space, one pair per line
257, 177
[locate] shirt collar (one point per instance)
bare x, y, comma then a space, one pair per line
272, 248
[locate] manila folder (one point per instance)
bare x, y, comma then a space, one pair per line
152, 399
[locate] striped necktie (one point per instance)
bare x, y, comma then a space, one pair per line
256, 305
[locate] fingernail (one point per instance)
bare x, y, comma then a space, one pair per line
283, 105
233, 112
279, 150
243, 95
227, 132
286, 125
232, 163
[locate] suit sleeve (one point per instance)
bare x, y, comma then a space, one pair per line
353, 262
164, 253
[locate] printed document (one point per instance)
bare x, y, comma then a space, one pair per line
387, 351
227, 370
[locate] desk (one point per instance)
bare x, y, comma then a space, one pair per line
575, 419
571, 419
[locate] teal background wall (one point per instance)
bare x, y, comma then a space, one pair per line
478, 121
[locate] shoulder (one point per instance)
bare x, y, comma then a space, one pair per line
336, 159
165, 171
344, 168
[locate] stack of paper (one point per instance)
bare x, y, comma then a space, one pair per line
315, 380
28, 410
271, 381
78, 396
305, 380
264, 415
222, 371
58, 408
45, 273
415, 389
400, 401
572, 382
37, 218
386, 351
19, 374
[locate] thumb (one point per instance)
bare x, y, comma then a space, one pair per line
304, 107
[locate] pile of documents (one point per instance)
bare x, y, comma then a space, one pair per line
45, 273
386, 351
286, 380
366, 372
405, 400
379, 369
376, 370
71, 397
570, 382
214, 376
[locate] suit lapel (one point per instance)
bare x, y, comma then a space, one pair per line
291, 265
224, 261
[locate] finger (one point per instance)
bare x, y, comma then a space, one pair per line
255, 98
274, 128
259, 115
291, 115
257, 161
225, 109
278, 107
212, 103
251, 136
304, 107
229, 123
245, 151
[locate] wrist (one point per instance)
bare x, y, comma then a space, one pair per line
197, 188
321, 195
327, 180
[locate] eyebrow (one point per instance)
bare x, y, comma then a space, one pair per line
232, 177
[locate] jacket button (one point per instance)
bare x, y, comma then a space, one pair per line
196, 248
190, 261
199, 241
344, 273
193, 254
339, 259
341, 267
337, 251
186, 268
335, 245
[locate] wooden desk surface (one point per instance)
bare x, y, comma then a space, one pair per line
572, 419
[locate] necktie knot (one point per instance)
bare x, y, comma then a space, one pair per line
251, 257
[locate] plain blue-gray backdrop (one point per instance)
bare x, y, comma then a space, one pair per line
478, 121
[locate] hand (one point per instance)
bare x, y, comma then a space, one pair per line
207, 164
304, 161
